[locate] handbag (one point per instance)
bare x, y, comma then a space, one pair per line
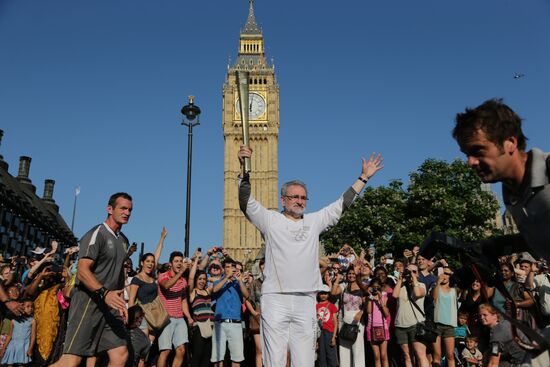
155, 314
349, 332
425, 332
205, 328
378, 334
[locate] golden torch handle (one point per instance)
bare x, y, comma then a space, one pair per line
242, 82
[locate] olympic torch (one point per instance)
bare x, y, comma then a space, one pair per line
242, 82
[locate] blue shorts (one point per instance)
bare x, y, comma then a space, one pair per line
174, 334
230, 334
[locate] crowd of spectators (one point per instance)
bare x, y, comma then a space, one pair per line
389, 297
212, 310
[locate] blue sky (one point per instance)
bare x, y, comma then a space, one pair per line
92, 92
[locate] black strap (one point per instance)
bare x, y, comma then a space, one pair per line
413, 303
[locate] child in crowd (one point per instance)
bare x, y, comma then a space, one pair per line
471, 356
327, 316
21, 338
13, 295
461, 331
138, 345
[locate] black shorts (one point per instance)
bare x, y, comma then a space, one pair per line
92, 327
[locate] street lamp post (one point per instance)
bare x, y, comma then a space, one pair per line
190, 112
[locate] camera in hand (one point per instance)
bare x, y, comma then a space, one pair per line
472, 255
56, 268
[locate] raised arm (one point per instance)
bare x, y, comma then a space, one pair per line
160, 245
69, 252
252, 210
34, 288
244, 187
368, 169
335, 289
204, 261
47, 258
435, 290
397, 288
170, 281
244, 289
192, 273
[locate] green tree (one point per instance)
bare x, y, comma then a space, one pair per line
441, 197
374, 218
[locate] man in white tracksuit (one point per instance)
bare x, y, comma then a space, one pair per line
291, 275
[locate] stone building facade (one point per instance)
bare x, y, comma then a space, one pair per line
27, 220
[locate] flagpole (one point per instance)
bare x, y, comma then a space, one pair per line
76, 192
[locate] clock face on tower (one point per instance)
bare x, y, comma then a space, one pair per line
256, 105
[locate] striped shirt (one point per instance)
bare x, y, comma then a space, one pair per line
172, 298
202, 307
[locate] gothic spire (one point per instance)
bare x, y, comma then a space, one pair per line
251, 28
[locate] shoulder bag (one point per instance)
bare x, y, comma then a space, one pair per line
426, 332
155, 314
348, 332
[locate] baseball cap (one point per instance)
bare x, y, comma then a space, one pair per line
38, 250
324, 288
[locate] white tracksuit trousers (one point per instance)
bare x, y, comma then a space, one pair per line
288, 321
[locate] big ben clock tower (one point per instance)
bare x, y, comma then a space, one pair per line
240, 238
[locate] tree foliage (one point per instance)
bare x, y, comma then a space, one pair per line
441, 197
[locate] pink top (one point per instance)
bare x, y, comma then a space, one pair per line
376, 319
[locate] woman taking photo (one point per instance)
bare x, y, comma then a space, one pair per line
521, 298
408, 290
144, 287
353, 297
378, 323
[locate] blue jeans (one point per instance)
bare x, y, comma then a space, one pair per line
327, 354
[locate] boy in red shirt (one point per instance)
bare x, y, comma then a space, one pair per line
326, 315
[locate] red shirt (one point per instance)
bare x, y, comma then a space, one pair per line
326, 312
172, 298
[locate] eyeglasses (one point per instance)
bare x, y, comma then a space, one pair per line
296, 197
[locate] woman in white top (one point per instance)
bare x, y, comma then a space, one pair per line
408, 317
352, 301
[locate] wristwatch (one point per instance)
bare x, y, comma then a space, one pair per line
101, 293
